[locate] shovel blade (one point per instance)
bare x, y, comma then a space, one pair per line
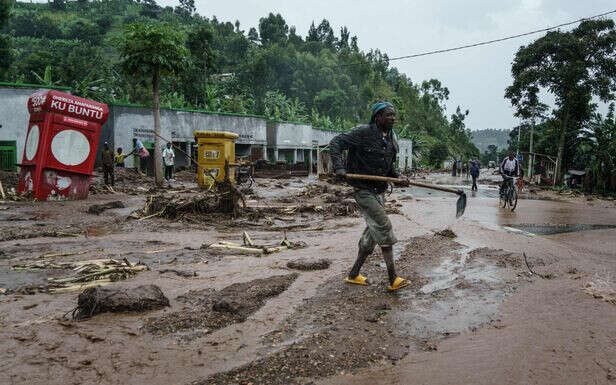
461, 205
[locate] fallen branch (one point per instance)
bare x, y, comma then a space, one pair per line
68, 289
248, 250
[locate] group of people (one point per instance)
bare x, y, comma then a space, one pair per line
111, 160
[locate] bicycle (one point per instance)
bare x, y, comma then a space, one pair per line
243, 174
509, 197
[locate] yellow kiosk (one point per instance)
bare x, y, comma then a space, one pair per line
214, 149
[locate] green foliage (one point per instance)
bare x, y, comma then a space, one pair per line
146, 49
321, 78
437, 155
574, 66
5, 40
598, 150
273, 29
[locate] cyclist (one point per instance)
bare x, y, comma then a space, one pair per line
509, 168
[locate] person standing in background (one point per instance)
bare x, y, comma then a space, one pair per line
143, 154
107, 158
168, 159
119, 157
474, 171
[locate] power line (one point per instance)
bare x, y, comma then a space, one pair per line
491, 41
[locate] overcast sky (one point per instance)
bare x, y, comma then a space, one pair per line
476, 77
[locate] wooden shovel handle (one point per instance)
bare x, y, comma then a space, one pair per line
405, 182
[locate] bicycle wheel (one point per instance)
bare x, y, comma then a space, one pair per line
513, 199
503, 198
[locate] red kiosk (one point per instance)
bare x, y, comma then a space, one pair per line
61, 143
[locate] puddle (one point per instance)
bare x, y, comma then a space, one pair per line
548, 229
461, 293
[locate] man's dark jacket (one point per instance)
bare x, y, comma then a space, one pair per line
368, 153
474, 170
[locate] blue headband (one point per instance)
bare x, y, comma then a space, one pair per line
378, 106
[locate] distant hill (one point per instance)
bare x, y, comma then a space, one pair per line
483, 138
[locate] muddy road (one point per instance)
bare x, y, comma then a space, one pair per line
474, 313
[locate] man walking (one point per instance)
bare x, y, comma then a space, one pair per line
107, 158
474, 171
168, 158
372, 150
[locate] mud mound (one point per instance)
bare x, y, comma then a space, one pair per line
96, 300
503, 258
447, 233
307, 265
98, 209
215, 310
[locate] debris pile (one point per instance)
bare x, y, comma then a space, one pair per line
9, 180
178, 206
87, 273
11, 234
250, 248
96, 300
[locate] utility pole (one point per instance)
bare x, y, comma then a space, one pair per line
531, 155
517, 151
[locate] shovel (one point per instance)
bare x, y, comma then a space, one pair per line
460, 204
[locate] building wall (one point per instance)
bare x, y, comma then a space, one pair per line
128, 123
14, 115
290, 135
405, 154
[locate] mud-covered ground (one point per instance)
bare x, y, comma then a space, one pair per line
477, 310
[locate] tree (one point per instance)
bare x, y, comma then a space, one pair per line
253, 35
201, 61
325, 34
58, 5
155, 50
437, 155
273, 29
150, 9
574, 66
600, 140
5, 41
